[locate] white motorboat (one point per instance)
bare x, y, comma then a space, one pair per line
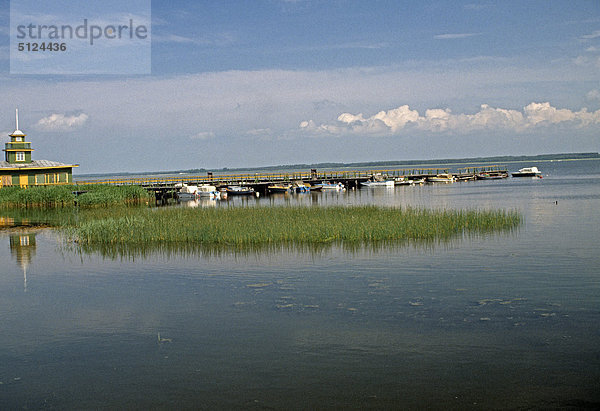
405, 181
331, 186
528, 172
186, 192
208, 191
385, 183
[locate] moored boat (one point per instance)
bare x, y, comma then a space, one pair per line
384, 183
300, 187
239, 190
326, 185
208, 191
442, 178
417, 181
491, 176
279, 188
528, 172
402, 181
186, 192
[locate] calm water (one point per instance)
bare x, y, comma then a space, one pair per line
501, 321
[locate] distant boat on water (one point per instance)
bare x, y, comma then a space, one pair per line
528, 172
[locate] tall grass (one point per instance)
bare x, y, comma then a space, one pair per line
53, 196
103, 195
239, 227
64, 196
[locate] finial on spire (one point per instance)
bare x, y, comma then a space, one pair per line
17, 118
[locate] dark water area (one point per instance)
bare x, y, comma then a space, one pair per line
500, 321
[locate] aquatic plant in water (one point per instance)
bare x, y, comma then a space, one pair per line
260, 226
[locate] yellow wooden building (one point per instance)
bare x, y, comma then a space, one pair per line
19, 169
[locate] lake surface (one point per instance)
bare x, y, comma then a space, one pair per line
509, 320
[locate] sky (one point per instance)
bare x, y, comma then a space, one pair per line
269, 82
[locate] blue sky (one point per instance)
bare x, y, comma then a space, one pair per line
252, 83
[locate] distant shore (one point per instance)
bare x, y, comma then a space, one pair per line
407, 163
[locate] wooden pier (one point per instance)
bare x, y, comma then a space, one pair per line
165, 187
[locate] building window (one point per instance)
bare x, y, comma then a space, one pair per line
20, 156
18, 138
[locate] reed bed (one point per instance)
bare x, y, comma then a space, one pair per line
257, 226
64, 196
104, 195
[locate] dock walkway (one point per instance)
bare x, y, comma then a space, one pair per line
164, 187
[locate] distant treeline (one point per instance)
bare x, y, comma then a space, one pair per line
498, 159
302, 166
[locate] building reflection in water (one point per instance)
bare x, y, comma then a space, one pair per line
22, 249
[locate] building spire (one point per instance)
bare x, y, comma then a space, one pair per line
17, 132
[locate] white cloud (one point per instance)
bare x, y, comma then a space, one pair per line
593, 35
259, 132
452, 36
204, 135
61, 122
593, 95
440, 120
214, 39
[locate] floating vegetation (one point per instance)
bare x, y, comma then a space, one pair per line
268, 226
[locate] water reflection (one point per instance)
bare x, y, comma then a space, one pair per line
9, 222
22, 249
310, 250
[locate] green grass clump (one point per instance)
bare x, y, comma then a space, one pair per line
254, 226
103, 195
63, 196
52, 196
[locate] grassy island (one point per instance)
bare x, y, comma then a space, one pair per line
257, 226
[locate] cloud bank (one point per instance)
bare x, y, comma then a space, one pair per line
61, 122
403, 118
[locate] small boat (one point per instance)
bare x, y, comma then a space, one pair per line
300, 187
186, 192
326, 185
491, 176
528, 172
280, 188
466, 177
208, 191
384, 183
405, 181
239, 190
402, 181
442, 178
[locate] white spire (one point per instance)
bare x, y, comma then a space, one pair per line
17, 132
